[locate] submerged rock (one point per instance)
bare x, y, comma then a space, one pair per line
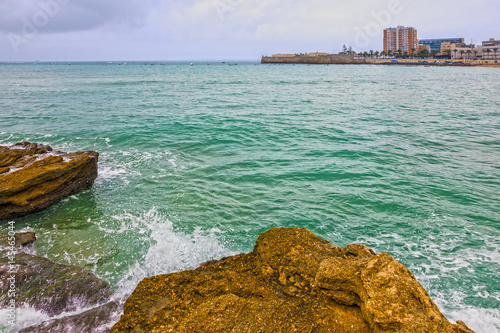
44, 285
33, 177
22, 240
96, 320
293, 281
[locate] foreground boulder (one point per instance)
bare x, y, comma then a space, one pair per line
44, 285
293, 281
33, 177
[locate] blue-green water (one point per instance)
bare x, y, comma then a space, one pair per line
196, 161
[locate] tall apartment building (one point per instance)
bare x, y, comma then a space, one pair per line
400, 38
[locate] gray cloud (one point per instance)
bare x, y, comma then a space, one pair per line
73, 15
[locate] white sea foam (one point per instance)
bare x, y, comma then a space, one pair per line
27, 316
132, 162
477, 319
6, 141
170, 250
107, 172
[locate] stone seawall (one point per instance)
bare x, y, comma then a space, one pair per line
329, 59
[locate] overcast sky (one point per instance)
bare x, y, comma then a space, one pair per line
64, 30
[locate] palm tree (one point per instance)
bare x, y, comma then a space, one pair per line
399, 53
469, 52
383, 54
448, 52
475, 54
462, 53
371, 53
488, 51
413, 52
376, 54
426, 53
495, 49
389, 53
455, 51
405, 55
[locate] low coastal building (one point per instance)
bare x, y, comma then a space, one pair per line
435, 44
464, 51
491, 49
491, 43
424, 47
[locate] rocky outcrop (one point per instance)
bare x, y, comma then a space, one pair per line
33, 177
293, 281
44, 285
96, 320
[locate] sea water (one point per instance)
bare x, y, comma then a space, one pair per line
196, 161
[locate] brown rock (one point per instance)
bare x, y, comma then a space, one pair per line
33, 177
293, 281
21, 240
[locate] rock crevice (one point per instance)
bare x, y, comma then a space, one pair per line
293, 281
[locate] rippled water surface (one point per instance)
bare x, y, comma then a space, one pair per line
196, 161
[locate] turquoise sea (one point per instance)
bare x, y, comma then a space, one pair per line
197, 161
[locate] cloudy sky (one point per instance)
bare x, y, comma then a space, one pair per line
64, 30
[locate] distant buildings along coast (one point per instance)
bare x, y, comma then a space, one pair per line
402, 42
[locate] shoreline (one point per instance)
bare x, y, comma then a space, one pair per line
336, 59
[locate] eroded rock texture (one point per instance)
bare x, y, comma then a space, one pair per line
33, 177
293, 281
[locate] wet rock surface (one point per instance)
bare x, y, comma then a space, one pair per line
96, 320
22, 241
293, 281
33, 177
44, 285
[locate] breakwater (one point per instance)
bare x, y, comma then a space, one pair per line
326, 59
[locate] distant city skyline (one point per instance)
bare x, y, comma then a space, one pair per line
110, 30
